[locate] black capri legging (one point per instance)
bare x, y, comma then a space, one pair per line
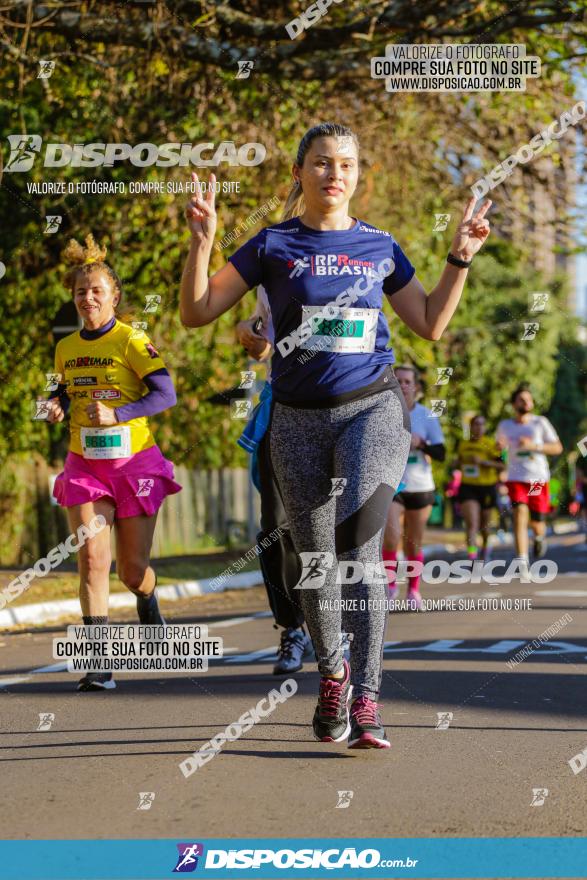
280, 564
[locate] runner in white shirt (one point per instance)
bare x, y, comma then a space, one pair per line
528, 439
411, 507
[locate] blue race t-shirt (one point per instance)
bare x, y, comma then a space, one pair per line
324, 354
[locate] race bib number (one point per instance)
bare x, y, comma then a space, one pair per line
347, 331
523, 453
470, 470
106, 442
413, 458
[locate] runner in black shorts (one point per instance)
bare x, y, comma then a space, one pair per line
411, 507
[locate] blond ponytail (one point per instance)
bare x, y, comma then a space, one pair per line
295, 204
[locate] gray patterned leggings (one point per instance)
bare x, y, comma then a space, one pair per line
366, 442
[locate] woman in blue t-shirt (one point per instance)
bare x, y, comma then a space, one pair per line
340, 433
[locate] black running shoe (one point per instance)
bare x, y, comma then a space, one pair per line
294, 647
148, 609
539, 548
96, 681
367, 731
331, 718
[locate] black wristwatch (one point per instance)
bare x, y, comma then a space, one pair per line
454, 261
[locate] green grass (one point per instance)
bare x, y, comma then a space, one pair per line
65, 585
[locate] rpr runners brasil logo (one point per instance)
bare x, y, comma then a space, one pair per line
24, 150
330, 264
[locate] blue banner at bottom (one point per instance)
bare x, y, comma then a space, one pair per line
446, 857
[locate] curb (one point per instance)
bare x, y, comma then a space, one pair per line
41, 612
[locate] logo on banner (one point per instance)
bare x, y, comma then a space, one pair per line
152, 302
338, 486
244, 69
539, 301
441, 222
146, 799
23, 150
315, 568
53, 222
138, 329
539, 795
46, 719
344, 800
443, 375
530, 330
444, 719
145, 486
46, 68
187, 860
536, 488
437, 408
53, 380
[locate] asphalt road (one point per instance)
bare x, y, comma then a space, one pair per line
514, 728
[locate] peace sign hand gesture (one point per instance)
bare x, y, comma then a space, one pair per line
471, 232
201, 213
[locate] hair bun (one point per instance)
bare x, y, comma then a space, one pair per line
76, 254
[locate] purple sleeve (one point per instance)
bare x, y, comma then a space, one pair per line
161, 396
248, 259
402, 273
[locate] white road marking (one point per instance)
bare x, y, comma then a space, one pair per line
264, 653
234, 621
55, 667
569, 593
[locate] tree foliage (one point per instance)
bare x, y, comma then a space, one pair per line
167, 72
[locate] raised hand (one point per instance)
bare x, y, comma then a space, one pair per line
201, 212
55, 413
471, 232
256, 345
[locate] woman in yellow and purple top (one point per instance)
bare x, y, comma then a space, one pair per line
480, 462
113, 468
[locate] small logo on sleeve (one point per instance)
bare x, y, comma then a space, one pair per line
151, 350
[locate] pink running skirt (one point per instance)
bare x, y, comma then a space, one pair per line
137, 485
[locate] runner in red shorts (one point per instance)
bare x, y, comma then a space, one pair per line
528, 439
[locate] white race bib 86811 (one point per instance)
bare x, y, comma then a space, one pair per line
349, 331
106, 442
